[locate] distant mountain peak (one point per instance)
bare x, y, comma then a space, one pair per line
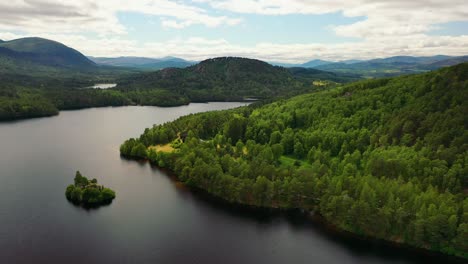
315, 63
46, 52
143, 62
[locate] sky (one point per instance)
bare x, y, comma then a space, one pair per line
288, 31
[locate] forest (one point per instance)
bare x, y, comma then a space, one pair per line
383, 158
220, 79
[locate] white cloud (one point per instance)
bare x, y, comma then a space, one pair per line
389, 28
202, 48
169, 23
382, 17
65, 16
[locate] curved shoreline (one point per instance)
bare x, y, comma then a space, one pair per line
59, 110
311, 216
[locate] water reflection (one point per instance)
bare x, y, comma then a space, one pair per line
153, 219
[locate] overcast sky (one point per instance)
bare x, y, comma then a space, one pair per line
273, 30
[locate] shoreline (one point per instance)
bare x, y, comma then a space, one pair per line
12, 120
313, 217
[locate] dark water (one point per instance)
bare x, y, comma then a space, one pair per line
153, 219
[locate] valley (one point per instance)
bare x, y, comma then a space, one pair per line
354, 161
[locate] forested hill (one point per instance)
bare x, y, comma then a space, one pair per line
227, 78
43, 52
217, 79
44, 90
384, 158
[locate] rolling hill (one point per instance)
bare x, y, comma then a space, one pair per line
382, 67
393, 66
143, 62
230, 78
314, 63
51, 89
309, 64
446, 62
215, 79
44, 52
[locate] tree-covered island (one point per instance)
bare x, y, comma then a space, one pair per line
88, 192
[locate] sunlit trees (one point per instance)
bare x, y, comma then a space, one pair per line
383, 158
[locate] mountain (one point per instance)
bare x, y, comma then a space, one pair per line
447, 62
309, 64
350, 61
380, 158
392, 66
44, 52
381, 67
29, 89
286, 65
170, 63
311, 74
314, 63
123, 61
226, 78
143, 62
410, 59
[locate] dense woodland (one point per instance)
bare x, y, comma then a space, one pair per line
221, 79
18, 101
227, 79
384, 158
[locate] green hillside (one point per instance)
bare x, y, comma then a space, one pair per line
384, 158
47, 52
39, 77
228, 79
216, 79
43, 58
222, 79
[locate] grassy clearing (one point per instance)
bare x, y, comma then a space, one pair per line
167, 148
320, 83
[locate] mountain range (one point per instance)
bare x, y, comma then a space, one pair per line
143, 62
43, 57
382, 67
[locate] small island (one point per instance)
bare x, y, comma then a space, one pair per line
88, 193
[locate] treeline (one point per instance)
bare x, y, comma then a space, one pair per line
384, 158
19, 102
230, 79
220, 79
15, 105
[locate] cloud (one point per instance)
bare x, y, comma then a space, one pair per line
197, 48
169, 23
382, 17
387, 28
65, 16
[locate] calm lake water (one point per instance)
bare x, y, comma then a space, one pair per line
153, 219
